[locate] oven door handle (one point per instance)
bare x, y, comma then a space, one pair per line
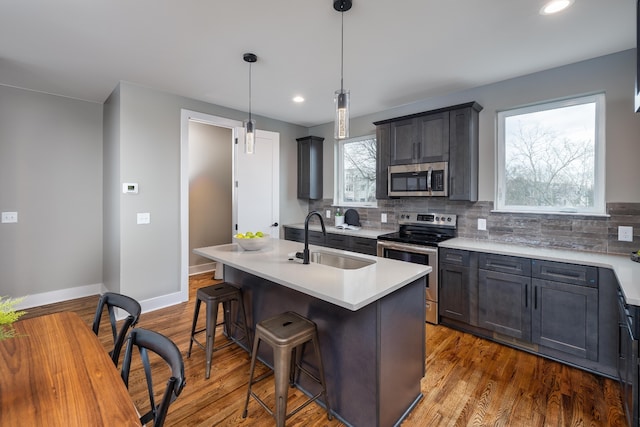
406, 248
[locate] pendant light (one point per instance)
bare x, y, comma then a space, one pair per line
341, 98
249, 125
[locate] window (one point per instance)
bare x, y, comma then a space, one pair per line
551, 157
356, 172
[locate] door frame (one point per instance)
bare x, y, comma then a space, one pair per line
185, 117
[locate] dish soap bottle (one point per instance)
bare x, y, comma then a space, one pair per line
339, 218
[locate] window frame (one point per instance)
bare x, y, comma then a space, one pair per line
599, 204
338, 194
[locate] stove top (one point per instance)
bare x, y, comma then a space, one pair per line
426, 229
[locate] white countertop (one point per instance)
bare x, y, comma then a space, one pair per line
369, 233
351, 289
627, 272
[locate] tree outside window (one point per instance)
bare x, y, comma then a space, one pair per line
550, 157
356, 172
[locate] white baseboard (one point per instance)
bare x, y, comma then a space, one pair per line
61, 295
202, 268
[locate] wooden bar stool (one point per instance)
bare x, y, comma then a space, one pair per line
285, 333
225, 294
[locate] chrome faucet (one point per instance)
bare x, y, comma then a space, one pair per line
305, 252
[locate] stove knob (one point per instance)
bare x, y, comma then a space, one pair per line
449, 219
437, 218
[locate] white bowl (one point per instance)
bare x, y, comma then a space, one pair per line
254, 244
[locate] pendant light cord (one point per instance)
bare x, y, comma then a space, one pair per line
342, 54
249, 91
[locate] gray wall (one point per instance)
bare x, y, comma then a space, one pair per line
150, 155
210, 188
51, 174
614, 74
52, 157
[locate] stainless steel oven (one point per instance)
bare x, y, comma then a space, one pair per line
417, 241
420, 255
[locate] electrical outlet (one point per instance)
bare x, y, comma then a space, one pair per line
482, 224
383, 217
625, 234
9, 217
327, 213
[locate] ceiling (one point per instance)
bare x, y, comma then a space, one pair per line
395, 52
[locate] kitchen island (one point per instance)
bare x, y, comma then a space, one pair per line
370, 322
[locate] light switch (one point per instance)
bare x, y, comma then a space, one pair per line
383, 217
144, 218
9, 217
482, 224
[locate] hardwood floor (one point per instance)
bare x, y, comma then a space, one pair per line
470, 381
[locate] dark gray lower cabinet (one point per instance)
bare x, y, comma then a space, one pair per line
565, 317
455, 285
567, 312
504, 303
363, 245
627, 364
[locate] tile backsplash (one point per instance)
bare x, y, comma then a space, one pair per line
577, 232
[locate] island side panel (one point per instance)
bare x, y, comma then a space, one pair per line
402, 350
348, 341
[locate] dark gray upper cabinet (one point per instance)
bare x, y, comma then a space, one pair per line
444, 135
310, 167
382, 160
420, 139
463, 153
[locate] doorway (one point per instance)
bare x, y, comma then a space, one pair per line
255, 184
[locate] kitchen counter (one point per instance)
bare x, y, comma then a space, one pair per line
362, 232
350, 289
627, 272
370, 323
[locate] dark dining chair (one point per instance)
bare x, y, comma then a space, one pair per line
149, 341
113, 300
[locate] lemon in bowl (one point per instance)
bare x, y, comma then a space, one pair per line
250, 241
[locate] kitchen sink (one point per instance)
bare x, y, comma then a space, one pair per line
344, 262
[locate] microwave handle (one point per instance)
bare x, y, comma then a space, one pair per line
429, 179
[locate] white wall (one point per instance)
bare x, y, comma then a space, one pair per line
613, 74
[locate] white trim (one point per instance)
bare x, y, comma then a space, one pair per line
599, 184
185, 117
202, 268
338, 166
61, 295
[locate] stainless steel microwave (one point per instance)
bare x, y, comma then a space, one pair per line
422, 179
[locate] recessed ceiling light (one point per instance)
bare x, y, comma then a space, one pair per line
298, 99
555, 6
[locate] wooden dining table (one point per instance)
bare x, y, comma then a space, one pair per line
55, 372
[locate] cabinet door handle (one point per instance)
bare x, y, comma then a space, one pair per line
535, 297
526, 295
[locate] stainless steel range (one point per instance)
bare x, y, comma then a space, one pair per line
417, 241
